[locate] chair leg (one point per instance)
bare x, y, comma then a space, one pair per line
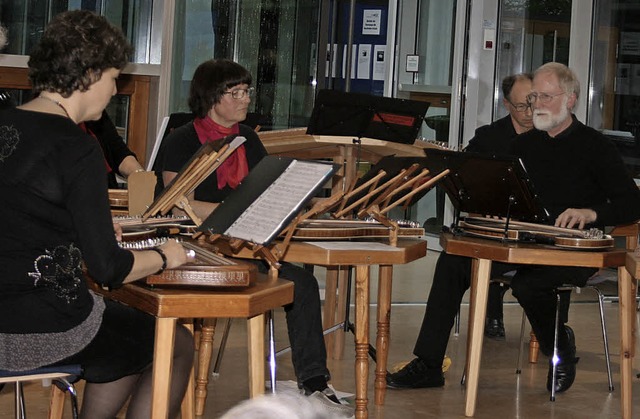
456, 330
555, 359
223, 345
272, 353
521, 349
605, 339
19, 401
62, 385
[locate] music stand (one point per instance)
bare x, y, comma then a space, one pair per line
268, 199
488, 185
391, 166
360, 115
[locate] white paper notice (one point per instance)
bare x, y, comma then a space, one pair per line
371, 22
364, 61
379, 53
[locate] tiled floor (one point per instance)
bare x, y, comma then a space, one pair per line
501, 394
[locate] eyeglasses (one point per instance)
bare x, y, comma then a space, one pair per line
542, 97
520, 107
241, 93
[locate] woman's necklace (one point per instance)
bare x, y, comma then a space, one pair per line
57, 103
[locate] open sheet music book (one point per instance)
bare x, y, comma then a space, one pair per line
268, 199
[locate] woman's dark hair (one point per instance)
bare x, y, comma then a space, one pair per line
76, 47
211, 79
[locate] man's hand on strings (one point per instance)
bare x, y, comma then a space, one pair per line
574, 217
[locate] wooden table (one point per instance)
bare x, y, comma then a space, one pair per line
484, 252
167, 305
362, 255
627, 291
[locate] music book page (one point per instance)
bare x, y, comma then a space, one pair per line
265, 217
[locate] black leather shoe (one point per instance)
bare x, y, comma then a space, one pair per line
416, 374
494, 329
566, 368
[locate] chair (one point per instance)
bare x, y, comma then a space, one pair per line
565, 288
62, 378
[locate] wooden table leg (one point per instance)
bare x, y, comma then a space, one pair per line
255, 342
187, 409
627, 287
362, 339
162, 364
479, 293
329, 317
204, 363
382, 343
472, 305
341, 312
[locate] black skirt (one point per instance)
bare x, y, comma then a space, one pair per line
123, 346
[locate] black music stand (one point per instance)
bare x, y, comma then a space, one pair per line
360, 115
488, 185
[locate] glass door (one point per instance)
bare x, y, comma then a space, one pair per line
614, 94
274, 39
528, 37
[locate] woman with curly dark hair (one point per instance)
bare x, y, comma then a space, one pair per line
53, 183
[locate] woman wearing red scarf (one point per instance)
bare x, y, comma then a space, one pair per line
219, 97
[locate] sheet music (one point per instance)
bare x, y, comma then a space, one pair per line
265, 216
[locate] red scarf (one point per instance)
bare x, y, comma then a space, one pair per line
235, 167
88, 131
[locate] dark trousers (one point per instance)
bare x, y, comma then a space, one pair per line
532, 285
304, 323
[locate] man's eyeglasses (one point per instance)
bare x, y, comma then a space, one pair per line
520, 107
542, 97
241, 93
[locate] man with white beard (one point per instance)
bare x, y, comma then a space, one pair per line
582, 181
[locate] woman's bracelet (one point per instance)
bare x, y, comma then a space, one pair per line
164, 259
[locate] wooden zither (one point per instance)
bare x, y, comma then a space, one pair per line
517, 231
208, 269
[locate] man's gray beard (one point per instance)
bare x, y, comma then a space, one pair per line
550, 121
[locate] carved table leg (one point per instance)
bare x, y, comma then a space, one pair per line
382, 342
362, 340
204, 362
